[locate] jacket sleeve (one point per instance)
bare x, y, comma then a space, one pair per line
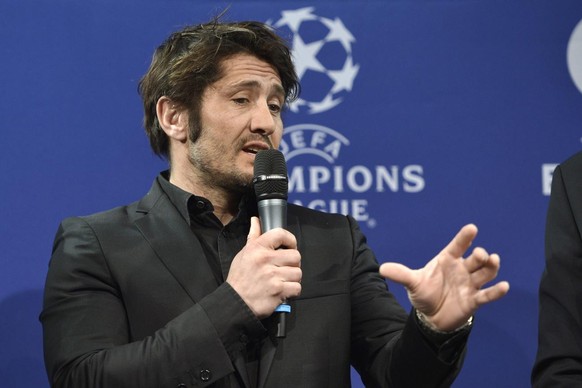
388, 347
559, 356
87, 339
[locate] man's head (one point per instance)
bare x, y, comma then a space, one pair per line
190, 60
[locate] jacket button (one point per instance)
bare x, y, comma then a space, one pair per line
205, 375
181, 385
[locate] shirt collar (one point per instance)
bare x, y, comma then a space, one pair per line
191, 205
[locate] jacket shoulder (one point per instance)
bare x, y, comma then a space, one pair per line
121, 214
568, 174
572, 164
115, 215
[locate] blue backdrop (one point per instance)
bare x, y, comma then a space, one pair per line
416, 117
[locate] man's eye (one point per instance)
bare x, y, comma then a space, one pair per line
240, 100
275, 108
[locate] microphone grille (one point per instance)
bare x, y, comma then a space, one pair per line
270, 174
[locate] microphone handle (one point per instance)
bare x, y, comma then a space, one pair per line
273, 214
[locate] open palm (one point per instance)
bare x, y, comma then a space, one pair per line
448, 289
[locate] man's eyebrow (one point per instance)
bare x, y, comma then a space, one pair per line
279, 90
253, 84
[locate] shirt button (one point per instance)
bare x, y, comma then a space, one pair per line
205, 375
200, 204
181, 385
244, 339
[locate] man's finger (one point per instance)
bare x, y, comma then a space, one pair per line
478, 258
287, 258
462, 241
492, 293
487, 272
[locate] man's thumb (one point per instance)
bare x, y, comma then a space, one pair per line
398, 273
255, 230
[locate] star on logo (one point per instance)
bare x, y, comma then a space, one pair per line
308, 54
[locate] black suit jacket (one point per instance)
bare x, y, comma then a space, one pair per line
559, 357
130, 301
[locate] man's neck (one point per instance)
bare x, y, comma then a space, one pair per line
225, 203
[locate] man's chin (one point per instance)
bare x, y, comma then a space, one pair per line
242, 185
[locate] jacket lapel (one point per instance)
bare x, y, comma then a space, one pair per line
170, 237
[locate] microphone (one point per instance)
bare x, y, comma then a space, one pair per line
271, 187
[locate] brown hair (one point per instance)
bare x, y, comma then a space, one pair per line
189, 60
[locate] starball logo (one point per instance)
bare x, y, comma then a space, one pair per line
322, 49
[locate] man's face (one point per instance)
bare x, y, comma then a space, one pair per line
236, 112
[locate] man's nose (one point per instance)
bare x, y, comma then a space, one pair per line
263, 120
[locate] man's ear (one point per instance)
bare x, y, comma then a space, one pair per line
173, 119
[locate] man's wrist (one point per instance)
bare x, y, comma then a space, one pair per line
428, 327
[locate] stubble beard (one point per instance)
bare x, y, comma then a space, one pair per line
203, 160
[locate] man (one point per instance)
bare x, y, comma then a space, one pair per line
178, 289
559, 356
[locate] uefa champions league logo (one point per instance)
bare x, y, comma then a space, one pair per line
322, 53
323, 57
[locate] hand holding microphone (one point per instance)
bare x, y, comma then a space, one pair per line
271, 187
266, 271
